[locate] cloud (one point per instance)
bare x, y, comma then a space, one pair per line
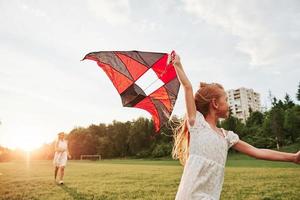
266, 30
114, 12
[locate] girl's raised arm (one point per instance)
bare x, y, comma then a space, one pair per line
188, 90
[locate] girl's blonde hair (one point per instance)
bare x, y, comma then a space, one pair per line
203, 97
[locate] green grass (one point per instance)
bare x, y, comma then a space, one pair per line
241, 160
291, 148
245, 178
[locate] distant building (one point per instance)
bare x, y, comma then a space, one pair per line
241, 101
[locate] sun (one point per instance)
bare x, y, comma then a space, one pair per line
24, 136
25, 145
28, 146
23, 140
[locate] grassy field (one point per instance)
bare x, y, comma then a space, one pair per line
144, 179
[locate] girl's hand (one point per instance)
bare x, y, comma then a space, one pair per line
297, 158
174, 59
69, 156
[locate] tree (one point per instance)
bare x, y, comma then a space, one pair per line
82, 141
292, 123
233, 124
105, 147
298, 94
288, 103
255, 119
267, 133
5, 154
139, 136
118, 133
276, 125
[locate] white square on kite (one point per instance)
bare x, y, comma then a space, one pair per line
149, 82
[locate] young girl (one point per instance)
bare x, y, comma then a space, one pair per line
60, 157
202, 147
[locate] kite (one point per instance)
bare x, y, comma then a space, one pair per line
143, 79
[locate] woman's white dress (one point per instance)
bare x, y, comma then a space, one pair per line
203, 174
60, 158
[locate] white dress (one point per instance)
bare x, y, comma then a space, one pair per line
60, 158
203, 173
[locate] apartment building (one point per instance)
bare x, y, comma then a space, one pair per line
241, 100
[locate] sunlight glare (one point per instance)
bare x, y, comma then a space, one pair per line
26, 140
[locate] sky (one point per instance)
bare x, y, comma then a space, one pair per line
46, 89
